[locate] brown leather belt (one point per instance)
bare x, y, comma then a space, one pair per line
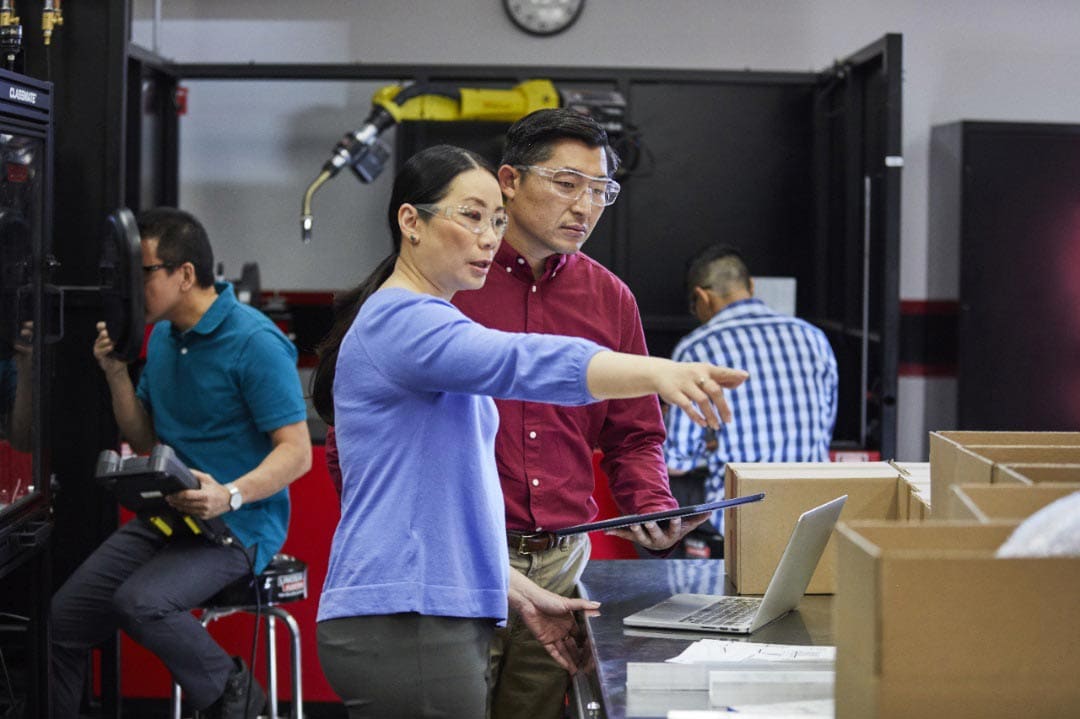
538, 542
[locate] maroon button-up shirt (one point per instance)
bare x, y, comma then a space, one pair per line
544, 452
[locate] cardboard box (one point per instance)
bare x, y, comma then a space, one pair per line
918, 500
755, 535
916, 475
929, 623
1028, 474
969, 457
987, 502
979, 465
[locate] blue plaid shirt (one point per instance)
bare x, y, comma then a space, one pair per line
784, 413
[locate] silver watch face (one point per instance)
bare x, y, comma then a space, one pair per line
235, 500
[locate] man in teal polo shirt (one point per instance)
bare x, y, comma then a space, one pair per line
220, 387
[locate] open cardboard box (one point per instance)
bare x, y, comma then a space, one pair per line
928, 623
1027, 474
755, 535
987, 502
970, 457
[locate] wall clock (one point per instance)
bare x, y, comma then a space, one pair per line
543, 17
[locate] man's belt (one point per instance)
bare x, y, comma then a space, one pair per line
538, 542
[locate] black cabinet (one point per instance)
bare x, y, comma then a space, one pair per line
26, 183
1007, 196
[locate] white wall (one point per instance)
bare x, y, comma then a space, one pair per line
249, 150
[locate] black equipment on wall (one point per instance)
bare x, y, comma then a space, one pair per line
121, 276
1004, 196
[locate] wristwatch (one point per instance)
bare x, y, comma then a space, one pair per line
236, 500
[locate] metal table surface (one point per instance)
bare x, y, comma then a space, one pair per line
626, 586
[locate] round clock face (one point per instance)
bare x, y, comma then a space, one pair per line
543, 17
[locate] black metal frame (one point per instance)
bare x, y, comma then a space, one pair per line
859, 152
151, 90
91, 131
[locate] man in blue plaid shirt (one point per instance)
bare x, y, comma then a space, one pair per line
785, 412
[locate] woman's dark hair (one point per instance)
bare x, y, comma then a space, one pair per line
424, 178
180, 238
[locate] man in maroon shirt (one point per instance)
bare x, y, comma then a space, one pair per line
555, 179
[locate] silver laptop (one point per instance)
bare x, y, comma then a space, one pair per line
743, 615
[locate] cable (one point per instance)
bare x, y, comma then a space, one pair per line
258, 619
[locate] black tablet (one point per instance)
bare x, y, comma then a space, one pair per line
141, 483
628, 519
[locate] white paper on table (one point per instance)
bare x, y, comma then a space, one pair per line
718, 651
809, 708
779, 710
731, 688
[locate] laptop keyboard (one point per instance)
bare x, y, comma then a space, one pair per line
725, 613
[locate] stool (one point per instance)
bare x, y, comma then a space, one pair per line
284, 580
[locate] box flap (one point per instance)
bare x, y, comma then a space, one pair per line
984, 502
1030, 473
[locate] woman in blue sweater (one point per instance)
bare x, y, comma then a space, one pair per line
419, 573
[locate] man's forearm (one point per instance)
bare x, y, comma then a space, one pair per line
131, 417
288, 460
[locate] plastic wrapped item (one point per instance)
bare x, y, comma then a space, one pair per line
1053, 531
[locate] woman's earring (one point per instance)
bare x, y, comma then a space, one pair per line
414, 239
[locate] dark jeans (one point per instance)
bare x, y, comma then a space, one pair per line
147, 585
408, 665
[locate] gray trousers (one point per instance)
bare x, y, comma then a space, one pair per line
408, 665
147, 585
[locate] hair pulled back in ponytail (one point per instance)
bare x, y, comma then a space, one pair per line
424, 178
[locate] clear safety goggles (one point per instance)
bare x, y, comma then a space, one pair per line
570, 184
473, 219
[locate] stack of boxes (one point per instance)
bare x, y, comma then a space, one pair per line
927, 620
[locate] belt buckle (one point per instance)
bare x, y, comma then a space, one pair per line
521, 548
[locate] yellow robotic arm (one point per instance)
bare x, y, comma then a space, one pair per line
392, 104
362, 151
447, 104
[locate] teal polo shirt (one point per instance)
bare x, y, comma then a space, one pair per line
214, 393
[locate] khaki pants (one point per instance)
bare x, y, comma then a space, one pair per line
526, 681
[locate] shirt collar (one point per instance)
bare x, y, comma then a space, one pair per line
738, 308
220, 309
508, 257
